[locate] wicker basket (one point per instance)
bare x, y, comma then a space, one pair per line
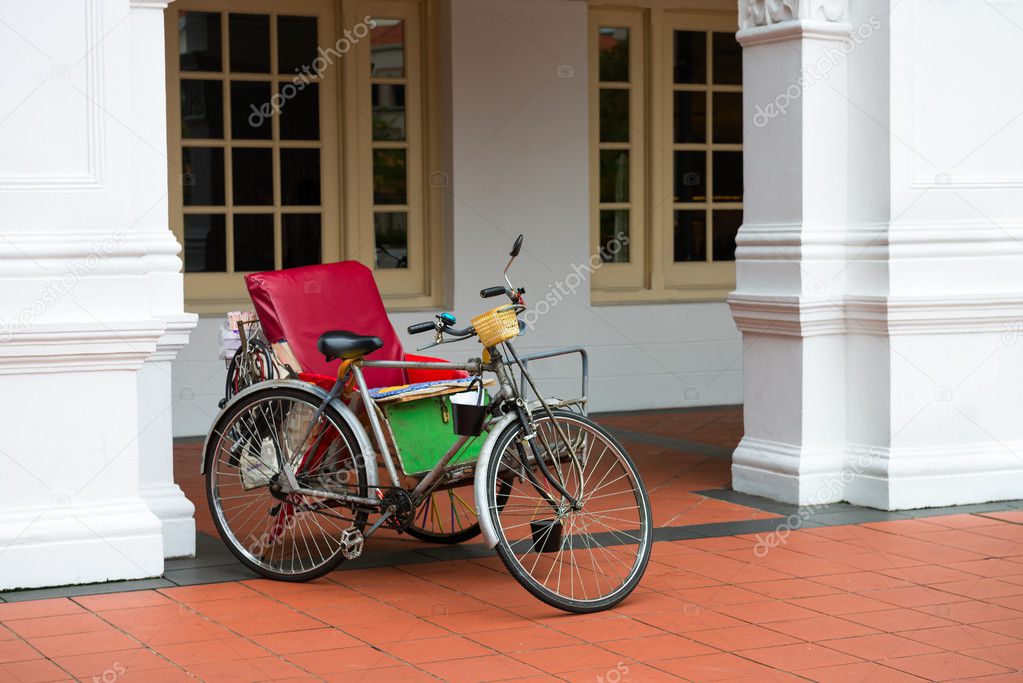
496, 325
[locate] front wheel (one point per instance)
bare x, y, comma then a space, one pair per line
585, 557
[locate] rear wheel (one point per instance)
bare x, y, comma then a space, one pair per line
582, 558
284, 536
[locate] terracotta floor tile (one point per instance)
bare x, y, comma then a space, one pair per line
713, 596
1010, 656
599, 630
691, 618
118, 662
859, 672
168, 675
961, 637
914, 596
203, 652
128, 599
246, 671
740, 638
945, 666
798, 656
625, 672
1009, 627
481, 669
767, 612
292, 621
879, 646
962, 521
402, 673
17, 650
361, 658
9, 611
207, 592
790, 588
990, 567
533, 637
840, 603
570, 658
309, 640
820, 628
716, 667
655, 648
32, 671
858, 582
394, 630
974, 612
436, 649
895, 620
58, 625
81, 643
926, 574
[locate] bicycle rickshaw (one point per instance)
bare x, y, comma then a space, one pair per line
303, 464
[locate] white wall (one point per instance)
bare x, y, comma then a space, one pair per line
520, 164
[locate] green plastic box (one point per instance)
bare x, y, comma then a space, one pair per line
423, 433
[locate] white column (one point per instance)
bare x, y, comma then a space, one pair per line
889, 376
149, 202
75, 321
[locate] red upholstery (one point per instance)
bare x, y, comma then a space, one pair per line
297, 305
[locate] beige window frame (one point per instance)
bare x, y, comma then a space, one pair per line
346, 181
653, 275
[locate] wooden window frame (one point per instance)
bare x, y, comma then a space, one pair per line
346, 222
652, 275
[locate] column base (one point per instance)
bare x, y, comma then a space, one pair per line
175, 512
79, 543
788, 473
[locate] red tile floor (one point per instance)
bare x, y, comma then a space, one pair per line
933, 599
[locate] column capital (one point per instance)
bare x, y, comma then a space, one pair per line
768, 21
150, 4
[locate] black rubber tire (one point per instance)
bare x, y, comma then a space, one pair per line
507, 555
229, 539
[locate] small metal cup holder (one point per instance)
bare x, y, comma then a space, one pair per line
546, 535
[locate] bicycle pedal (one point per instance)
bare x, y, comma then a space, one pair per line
351, 543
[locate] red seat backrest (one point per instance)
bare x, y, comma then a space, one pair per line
300, 304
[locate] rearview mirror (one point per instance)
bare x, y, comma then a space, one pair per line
517, 247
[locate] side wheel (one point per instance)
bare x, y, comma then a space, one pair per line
582, 557
283, 536
449, 517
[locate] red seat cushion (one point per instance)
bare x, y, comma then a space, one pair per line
297, 305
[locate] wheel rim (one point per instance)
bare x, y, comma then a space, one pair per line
283, 533
587, 555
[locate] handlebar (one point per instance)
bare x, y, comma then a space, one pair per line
420, 327
488, 292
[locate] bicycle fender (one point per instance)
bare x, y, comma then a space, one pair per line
480, 480
319, 394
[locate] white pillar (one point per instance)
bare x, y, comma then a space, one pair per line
149, 202
75, 321
879, 284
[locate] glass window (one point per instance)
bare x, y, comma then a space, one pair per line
202, 109
249, 43
199, 41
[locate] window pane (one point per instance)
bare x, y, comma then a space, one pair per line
388, 111
727, 59
249, 42
728, 176
300, 176
389, 186
205, 244
300, 239
253, 242
690, 57
199, 41
296, 44
202, 176
690, 117
391, 232
726, 226
690, 176
300, 114
614, 115
202, 109
387, 48
728, 117
614, 235
690, 236
250, 110
613, 44
614, 175
252, 176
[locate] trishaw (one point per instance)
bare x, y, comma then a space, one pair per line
311, 454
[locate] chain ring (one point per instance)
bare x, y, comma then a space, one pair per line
404, 513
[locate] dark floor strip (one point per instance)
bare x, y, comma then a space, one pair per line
214, 563
669, 442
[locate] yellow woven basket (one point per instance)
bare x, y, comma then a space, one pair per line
496, 325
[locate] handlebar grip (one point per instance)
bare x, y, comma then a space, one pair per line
420, 327
488, 292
